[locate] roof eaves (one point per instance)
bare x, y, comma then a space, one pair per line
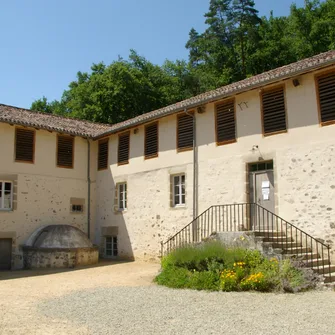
215, 95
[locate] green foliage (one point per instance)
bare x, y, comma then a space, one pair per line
236, 44
211, 266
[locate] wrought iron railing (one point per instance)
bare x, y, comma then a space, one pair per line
290, 240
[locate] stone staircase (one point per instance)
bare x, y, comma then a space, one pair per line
287, 247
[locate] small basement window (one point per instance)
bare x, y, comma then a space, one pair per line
184, 132
24, 145
326, 95
6, 195
225, 122
274, 111
103, 154
65, 151
111, 246
77, 208
123, 149
179, 194
151, 141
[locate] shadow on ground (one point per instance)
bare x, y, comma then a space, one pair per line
15, 274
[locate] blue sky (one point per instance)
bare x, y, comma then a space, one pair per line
45, 43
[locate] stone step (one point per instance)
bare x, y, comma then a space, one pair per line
324, 269
268, 233
303, 256
286, 245
330, 278
277, 239
311, 263
296, 251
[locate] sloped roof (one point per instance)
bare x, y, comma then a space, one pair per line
25, 117
71, 126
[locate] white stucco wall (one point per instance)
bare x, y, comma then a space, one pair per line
303, 166
43, 189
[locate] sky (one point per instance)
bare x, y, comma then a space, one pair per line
45, 43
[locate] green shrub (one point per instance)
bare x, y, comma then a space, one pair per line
206, 280
212, 266
173, 277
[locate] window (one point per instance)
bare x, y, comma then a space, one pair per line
24, 145
326, 96
77, 208
274, 112
103, 154
111, 246
6, 195
122, 196
123, 150
184, 132
151, 141
261, 166
225, 122
65, 151
179, 190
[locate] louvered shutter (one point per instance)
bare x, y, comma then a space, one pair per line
274, 114
123, 150
326, 86
65, 151
103, 154
151, 140
185, 132
24, 149
225, 122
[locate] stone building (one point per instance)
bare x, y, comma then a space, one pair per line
267, 139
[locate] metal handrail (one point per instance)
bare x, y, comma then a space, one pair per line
251, 216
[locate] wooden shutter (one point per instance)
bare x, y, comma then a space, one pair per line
225, 122
24, 145
184, 132
65, 151
274, 113
103, 154
123, 149
326, 90
151, 141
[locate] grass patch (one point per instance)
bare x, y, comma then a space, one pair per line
212, 266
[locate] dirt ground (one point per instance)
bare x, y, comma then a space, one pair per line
120, 298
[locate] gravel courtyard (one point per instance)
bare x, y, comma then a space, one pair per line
119, 298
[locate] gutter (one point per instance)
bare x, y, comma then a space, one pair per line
88, 188
195, 173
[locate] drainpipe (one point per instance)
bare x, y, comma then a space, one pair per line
88, 188
195, 174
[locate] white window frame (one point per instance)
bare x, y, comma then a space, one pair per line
180, 190
2, 201
122, 196
112, 246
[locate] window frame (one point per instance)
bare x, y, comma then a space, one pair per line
102, 141
273, 88
317, 92
123, 199
15, 146
118, 149
219, 143
57, 151
180, 195
76, 211
112, 243
3, 182
145, 140
189, 113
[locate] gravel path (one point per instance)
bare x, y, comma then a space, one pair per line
121, 299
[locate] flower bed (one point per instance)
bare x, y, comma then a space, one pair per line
214, 267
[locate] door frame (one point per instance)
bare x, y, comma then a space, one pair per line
11, 251
250, 196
